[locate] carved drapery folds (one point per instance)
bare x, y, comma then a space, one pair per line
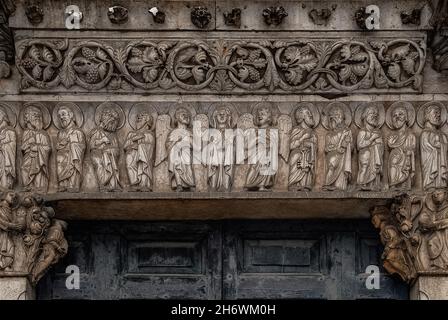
48, 147
414, 231
439, 42
247, 66
31, 240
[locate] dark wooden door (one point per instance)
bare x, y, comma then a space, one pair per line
221, 260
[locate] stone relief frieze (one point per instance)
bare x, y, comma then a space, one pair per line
245, 66
223, 146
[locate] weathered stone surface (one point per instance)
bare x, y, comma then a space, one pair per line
16, 287
430, 286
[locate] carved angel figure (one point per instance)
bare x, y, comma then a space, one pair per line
338, 147
262, 151
433, 147
221, 151
433, 222
179, 146
370, 148
36, 149
8, 142
402, 144
7, 225
104, 150
70, 146
139, 148
303, 146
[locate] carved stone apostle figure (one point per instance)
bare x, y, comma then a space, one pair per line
221, 151
8, 143
36, 149
338, 147
433, 222
179, 146
139, 149
433, 145
402, 144
262, 150
303, 148
70, 148
104, 147
370, 146
7, 226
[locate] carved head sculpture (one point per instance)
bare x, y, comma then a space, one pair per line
182, 116
33, 118
439, 197
380, 216
337, 117
109, 120
400, 117
222, 117
10, 198
370, 116
433, 115
264, 116
66, 116
4, 117
144, 120
303, 114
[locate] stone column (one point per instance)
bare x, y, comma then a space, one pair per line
31, 240
414, 232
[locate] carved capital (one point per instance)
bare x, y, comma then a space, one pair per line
31, 239
414, 232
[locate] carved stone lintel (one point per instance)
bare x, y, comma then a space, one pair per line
30, 238
200, 17
414, 232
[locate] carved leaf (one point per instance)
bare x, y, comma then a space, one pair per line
360, 69
135, 64
400, 52
150, 55
409, 65
67, 75
37, 72
294, 76
259, 63
244, 53
345, 72
101, 55
165, 83
198, 74
183, 73
394, 71
102, 70
243, 73
279, 44
47, 55
47, 73
34, 53
150, 74
254, 55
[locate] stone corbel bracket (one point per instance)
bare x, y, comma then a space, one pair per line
414, 232
31, 241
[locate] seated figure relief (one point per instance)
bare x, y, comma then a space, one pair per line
369, 118
338, 146
139, 148
8, 145
402, 145
36, 147
104, 146
303, 148
70, 146
433, 145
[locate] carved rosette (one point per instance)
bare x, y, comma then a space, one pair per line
414, 232
246, 66
32, 240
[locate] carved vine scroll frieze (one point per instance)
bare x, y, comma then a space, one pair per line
240, 66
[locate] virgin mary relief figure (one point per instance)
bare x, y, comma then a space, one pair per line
303, 146
179, 147
370, 146
433, 145
338, 146
402, 144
